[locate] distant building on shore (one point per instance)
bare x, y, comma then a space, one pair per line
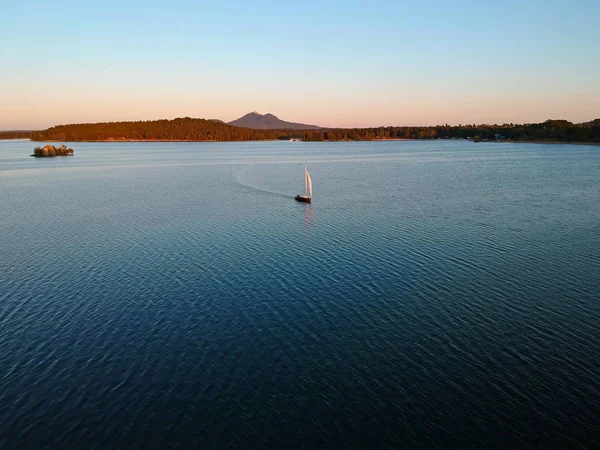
290, 138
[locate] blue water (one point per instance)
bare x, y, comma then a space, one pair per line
435, 294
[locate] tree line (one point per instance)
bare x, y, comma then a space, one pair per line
16, 134
188, 129
180, 129
550, 130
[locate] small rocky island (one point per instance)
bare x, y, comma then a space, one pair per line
51, 150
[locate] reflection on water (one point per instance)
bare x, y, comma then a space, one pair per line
308, 216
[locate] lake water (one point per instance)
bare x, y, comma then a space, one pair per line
435, 294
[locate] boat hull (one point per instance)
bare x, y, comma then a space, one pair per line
303, 198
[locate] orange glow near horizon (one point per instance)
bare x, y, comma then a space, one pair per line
33, 111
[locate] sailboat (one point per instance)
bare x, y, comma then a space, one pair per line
307, 195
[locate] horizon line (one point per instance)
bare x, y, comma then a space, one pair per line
310, 125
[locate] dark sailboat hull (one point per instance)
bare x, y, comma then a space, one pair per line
303, 198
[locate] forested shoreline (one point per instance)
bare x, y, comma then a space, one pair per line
16, 134
188, 129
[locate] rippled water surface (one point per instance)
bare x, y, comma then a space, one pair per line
435, 294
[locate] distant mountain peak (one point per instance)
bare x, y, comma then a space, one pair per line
269, 121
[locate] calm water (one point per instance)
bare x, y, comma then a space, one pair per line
435, 294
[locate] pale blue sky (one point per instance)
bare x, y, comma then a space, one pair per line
330, 63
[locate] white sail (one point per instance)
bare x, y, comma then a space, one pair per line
309, 184
305, 180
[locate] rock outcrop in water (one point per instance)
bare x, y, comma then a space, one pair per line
51, 150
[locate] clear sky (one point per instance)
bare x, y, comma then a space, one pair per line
331, 63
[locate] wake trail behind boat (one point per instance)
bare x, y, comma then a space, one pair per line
238, 177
